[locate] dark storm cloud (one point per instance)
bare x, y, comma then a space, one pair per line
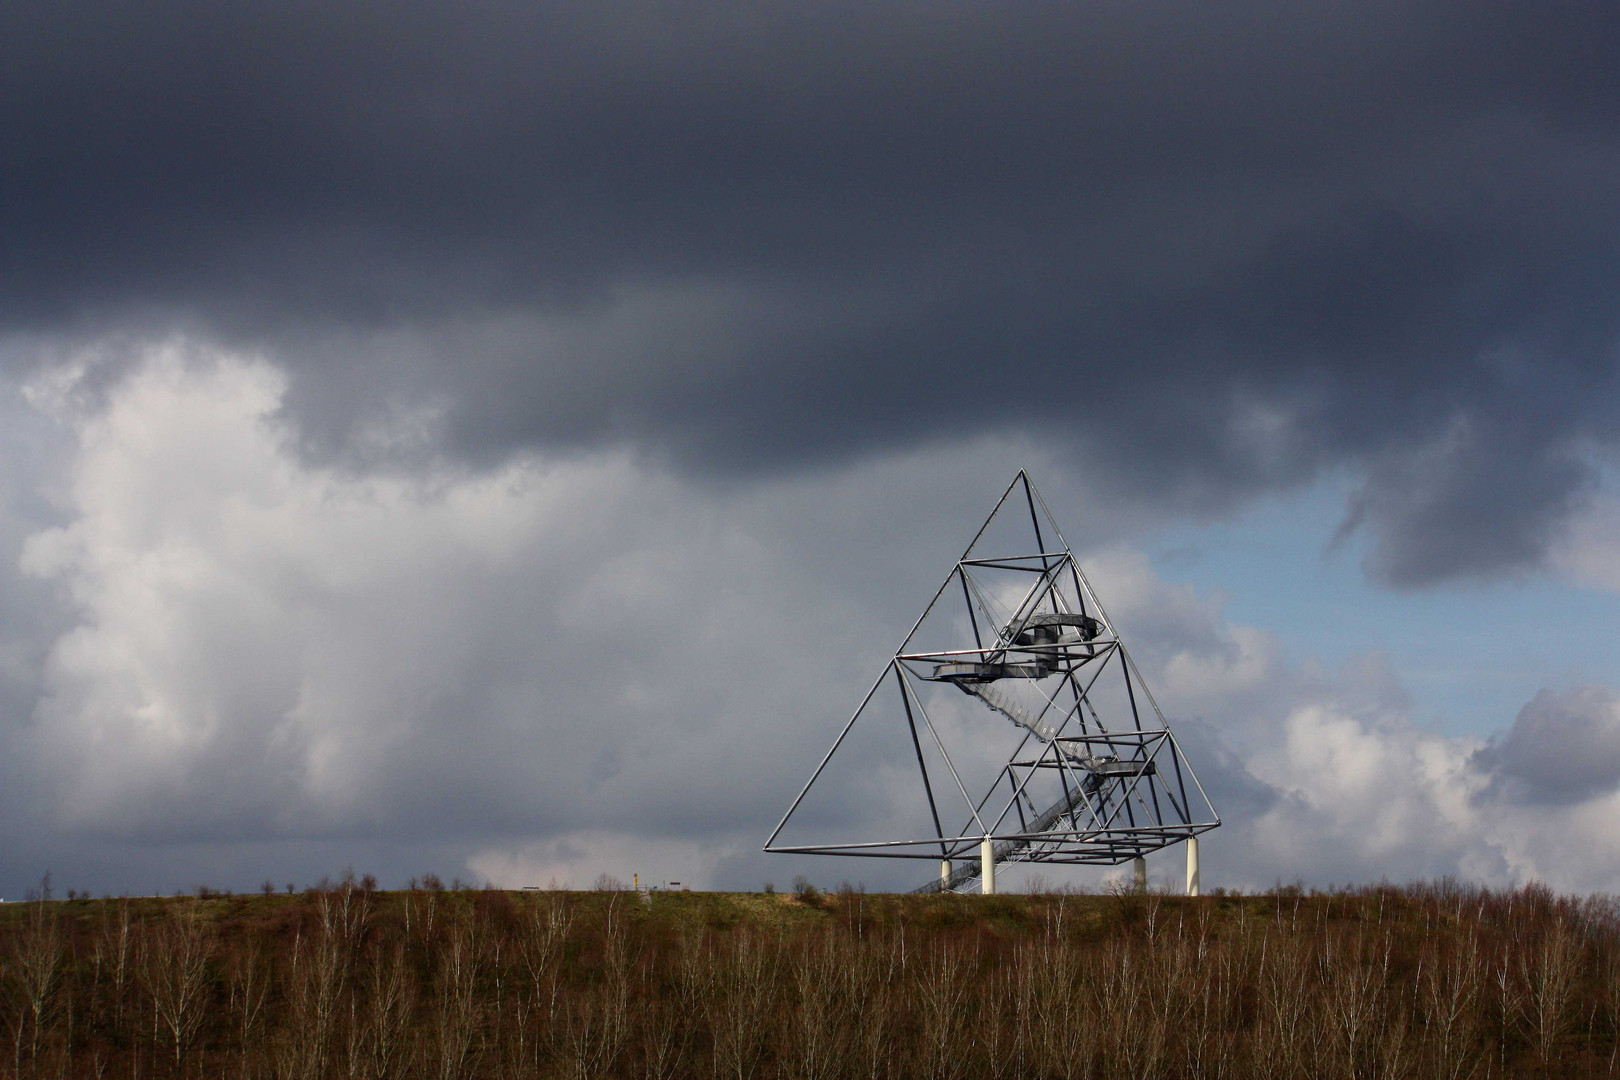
1218, 249
1564, 747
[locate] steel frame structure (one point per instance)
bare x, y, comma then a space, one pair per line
1116, 787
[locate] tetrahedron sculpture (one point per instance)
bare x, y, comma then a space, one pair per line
1011, 725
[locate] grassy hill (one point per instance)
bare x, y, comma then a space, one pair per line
1425, 981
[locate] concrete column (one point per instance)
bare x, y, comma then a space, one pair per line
1192, 866
987, 867
944, 873
1139, 874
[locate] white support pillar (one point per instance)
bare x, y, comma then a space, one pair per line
987, 867
1139, 874
944, 874
1192, 866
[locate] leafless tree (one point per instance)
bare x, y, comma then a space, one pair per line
390, 1004
742, 1001
1062, 1031
174, 957
1548, 970
458, 1010
114, 958
875, 1038
1212, 1049
344, 914
40, 953
1352, 974
989, 1051
249, 982
543, 933
823, 1022
314, 986
1284, 1029
943, 1004
1133, 1026
1451, 983
694, 975
665, 1034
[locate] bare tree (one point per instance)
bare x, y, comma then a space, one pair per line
998, 1057
458, 1010
314, 987
665, 1034
694, 984
390, 1004
114, 958
595, 1030
542, 936
1284, 1030
874, 981
1451, 984
944, 1011
743, 1000
821, 1024
1063, 1029
1134, 1029
174, 972
249, 985
39, 954
1352, 981
1549, 970
1209, 1044
345, 915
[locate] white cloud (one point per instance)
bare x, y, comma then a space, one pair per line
1327, 777
269, 646
561, 667
262, 648
1196, 654
577, 859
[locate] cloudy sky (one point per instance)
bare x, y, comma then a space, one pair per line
505, 441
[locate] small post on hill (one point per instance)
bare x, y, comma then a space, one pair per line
987, 866
1192, 866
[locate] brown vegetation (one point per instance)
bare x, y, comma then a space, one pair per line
1431, 981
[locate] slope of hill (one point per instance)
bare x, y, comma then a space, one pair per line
1424, 981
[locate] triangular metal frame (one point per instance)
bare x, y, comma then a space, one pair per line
1123, 786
